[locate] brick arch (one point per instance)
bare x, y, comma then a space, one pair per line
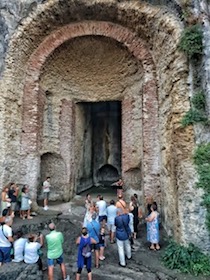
31, 97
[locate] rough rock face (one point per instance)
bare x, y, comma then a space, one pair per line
62, 55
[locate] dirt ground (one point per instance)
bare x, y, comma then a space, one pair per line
145, 264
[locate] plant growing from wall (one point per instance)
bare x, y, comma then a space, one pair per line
202, 162
186, 259
191, 41
197, 112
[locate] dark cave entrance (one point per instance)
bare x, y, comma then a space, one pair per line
98, 137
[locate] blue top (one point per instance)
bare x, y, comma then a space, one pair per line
122, 227
94, 230
80, 258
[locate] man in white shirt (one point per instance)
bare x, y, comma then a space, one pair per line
101, 206
5, 240
46, 192
18, 246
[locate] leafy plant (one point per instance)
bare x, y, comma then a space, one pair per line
202, 161
191, 41
197, 111
193, 116
199, 101
186, 259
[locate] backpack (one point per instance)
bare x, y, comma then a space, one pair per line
86, 250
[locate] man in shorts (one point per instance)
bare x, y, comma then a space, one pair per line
101, 206
46, 192
55, 252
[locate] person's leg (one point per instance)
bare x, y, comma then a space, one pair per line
62, 266
29, 214
89, 274
127, 245
113, 230
1, 257
39, 262
63, 270
77, 276
120, 248
96, 258
45, 200
78, 273
50, 272
50, 263
101, 253
6, 254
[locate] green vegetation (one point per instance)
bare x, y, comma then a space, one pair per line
197, 112
191, 41
202, 162
186, 259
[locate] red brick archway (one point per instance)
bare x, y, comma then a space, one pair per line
32, 95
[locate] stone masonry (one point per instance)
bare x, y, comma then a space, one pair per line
58, 55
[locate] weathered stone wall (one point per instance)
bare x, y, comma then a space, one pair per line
153, 88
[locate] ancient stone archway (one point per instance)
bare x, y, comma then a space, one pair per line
151, 34
31, 119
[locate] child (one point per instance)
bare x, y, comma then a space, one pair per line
102, 244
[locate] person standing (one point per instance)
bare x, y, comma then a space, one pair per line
5, 240
84, 258
46, 192
101, 206
119, 185
93, 228
123, 233
13, 193
5, 200
153, 228
25, 210
136, 211
111, 215
55, 252
121, 204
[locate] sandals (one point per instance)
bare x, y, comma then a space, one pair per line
152, 248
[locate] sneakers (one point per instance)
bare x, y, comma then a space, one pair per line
46, 208
67, 277
102, 258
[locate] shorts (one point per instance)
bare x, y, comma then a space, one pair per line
101, 218
59, 260
5, 254
111, 227
13, 206
95, 246
101, 245
46, 195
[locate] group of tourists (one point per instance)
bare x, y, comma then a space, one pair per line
17, 247
117, 219
14, 200
121, 221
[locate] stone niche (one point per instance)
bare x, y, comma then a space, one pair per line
95, 74
99, 152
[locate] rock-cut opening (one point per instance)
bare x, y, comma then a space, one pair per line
98, 137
